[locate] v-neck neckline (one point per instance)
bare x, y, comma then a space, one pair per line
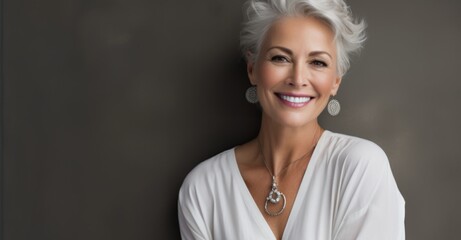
249, 200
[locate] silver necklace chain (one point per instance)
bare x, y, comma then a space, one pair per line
275, 195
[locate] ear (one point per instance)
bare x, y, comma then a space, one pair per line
250, 67
335, 86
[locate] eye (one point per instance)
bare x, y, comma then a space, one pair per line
279, 58
319, 63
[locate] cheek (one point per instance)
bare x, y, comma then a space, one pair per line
269, 75
325, 83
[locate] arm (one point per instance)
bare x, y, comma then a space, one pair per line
192, 224
191, 227
374, 207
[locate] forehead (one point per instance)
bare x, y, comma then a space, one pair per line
300, 34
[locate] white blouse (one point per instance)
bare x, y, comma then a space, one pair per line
347, 192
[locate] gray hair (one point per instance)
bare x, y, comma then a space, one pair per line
261, 14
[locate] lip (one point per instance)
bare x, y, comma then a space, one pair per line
294, 100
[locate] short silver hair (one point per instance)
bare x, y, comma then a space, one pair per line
261, 14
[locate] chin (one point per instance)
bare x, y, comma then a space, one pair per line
295, 121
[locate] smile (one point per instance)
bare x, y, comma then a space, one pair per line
294, 101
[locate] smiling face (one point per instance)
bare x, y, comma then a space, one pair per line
295, 71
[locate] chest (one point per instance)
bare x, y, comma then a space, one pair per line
274, 199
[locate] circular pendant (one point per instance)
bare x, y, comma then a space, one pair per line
274, 197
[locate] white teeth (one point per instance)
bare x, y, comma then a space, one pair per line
295, 99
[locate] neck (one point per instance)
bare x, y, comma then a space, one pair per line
283, 145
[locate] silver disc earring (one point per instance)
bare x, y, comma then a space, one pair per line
251, 95
333, 107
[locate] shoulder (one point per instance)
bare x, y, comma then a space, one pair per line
368, 198
352, 145
197, 194
355, 161
209, 173
361, 166
354, 152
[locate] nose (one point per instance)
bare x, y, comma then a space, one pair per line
299, 76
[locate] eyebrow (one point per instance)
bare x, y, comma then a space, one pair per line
313, 53
284, 49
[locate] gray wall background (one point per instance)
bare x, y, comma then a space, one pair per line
107, 105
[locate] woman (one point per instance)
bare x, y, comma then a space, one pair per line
295, 180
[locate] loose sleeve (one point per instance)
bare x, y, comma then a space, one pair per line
373, 206
191, 220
